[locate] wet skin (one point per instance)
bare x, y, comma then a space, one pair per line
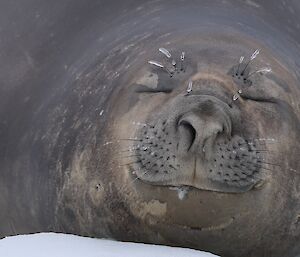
95, 141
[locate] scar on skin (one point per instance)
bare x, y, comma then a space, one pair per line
149, 79
153, 208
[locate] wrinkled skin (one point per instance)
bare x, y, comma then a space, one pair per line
97, 142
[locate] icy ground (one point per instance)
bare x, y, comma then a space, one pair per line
61, 245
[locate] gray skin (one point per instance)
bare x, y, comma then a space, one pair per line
97, 142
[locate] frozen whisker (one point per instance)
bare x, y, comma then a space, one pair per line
263, 71
157, 64
182, 58
181, 191
240, 62
266, 139
160, 65
165, 52
140, 124
262, 140
174, 64
108, 143
252, 57
236, 95
189, 88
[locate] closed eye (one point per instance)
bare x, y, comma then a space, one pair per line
144, 89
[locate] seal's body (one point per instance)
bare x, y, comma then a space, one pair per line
195, 148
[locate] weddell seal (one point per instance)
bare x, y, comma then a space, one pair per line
166, 122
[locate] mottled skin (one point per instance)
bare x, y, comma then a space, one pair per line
76, 92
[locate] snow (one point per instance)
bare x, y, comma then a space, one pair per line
62, 245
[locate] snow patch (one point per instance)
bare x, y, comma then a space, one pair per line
61, 245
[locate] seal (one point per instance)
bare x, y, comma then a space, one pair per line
172, 126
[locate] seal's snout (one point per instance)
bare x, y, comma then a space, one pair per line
199, 128
196, 140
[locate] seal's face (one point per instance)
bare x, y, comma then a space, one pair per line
198, 140
205, 164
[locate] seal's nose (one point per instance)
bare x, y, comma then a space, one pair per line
199, 128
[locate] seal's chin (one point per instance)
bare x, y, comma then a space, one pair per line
196, 140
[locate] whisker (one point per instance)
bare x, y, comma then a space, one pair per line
252, 57
129, 150
182, 57
138, 177
160, 65
262, 150
275, 164
157, 64
261, 167
165, 52
154, 162
263, 71
131, 139
240, 62
128, 156
109, 143
262, 140
132, 181
190, 87
130, 163
140, 124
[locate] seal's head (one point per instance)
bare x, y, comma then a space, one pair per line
153, 129
208, 154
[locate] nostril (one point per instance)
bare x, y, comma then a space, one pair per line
189, 133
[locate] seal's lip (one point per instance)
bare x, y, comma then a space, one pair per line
216, 227
257, 186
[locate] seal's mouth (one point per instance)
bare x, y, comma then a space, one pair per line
196, 140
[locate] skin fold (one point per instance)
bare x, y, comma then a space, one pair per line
96, 141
